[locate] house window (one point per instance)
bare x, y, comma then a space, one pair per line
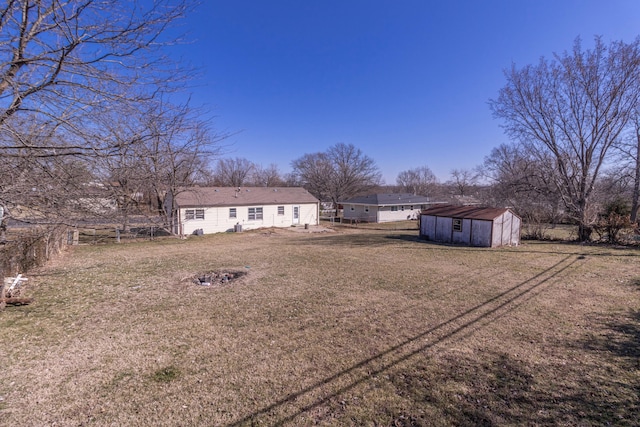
457, 225
255, 214
194, 214
402, 208
394, 209
280, 210
353, 208
411, 208
366, 208
233, 213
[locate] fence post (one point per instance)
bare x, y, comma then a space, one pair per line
117, 235
73, 237
2, 300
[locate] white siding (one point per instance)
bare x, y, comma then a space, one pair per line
385, 214
359, 213
216, 219
515, 230
506, 230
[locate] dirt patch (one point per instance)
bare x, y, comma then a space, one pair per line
311, 229
216, 277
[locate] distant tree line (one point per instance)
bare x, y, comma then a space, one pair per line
88, 116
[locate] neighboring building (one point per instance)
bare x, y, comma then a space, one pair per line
470, 225
220, 209
94, 198
384, 207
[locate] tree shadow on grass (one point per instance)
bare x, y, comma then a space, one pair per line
352, 239
325, 391
497, 389
619, 336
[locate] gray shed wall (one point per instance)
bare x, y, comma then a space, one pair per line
502, 231
428, 227
481, 233
443, 229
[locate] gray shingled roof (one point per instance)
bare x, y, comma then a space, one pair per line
387, 199
470, 212
244, 196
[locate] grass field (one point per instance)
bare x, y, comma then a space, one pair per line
350, 327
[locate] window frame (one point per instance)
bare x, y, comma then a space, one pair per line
255, 213
281, 210
456, 224
233, 213
193, 214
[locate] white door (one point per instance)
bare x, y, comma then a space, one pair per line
296, 214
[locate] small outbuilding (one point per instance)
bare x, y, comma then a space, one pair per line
470, 225
383, 207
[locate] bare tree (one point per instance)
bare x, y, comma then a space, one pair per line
60, 57
520, 181
64, 65
267, 177
177, 150
156, 151
629, 160
340, 172
418, 181
233, 172
39, 186
572, 109
463, 181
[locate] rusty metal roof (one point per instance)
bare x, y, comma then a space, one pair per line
470, 212
243, 196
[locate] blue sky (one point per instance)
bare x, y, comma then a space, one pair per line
407, 82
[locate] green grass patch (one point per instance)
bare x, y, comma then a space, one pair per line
166, 374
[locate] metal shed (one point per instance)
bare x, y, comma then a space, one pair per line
471, 225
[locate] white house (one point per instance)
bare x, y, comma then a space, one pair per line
220, 209
385, 207
470, 225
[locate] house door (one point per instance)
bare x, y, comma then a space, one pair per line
296, 214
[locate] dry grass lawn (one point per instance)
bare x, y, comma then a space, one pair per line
350, 327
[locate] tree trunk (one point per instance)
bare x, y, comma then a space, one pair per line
584, 229
636, 181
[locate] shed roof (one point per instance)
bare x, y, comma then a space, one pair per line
387, 199
470, 212
234, 196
